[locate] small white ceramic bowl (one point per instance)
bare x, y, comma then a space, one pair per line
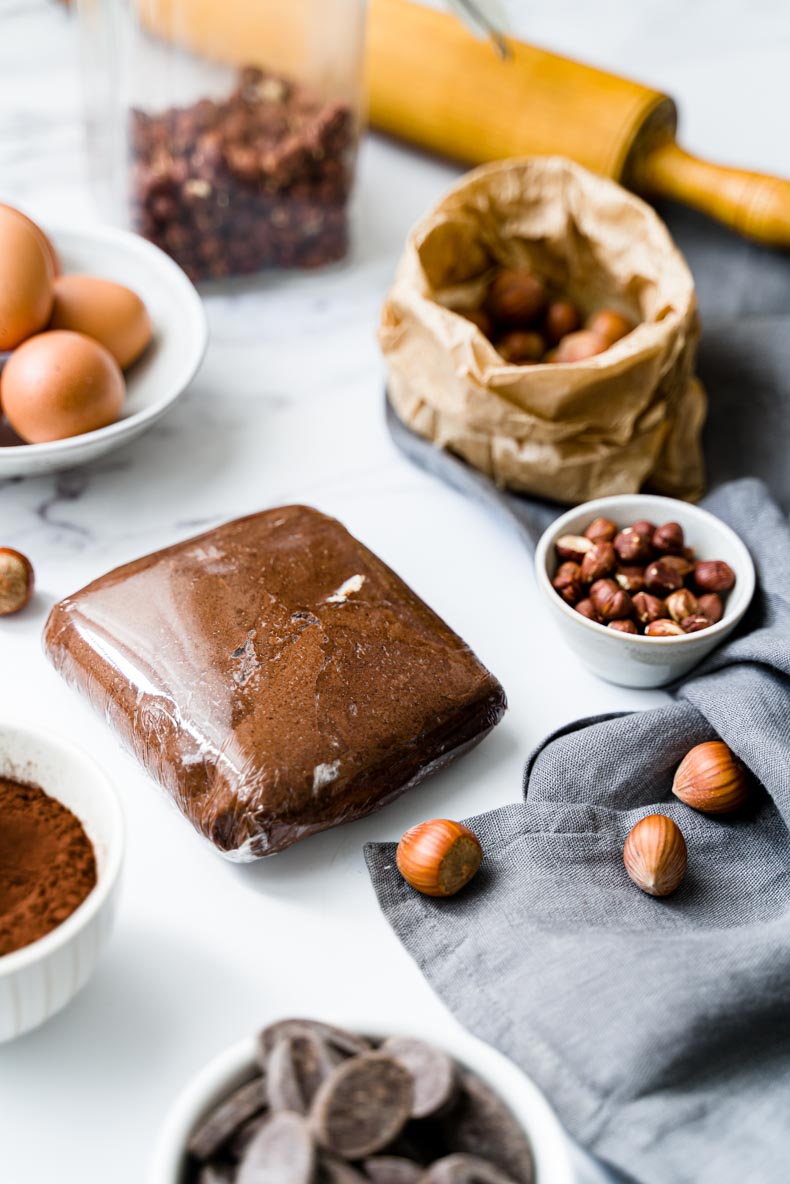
159, 377
40, 979
646, 661
553, 1163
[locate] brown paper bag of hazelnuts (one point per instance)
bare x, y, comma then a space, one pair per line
627, 418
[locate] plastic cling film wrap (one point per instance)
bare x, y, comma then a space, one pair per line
274, 676
629, 416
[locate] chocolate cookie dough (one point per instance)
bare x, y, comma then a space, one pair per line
274, 676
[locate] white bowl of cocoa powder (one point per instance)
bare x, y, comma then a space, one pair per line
61, 850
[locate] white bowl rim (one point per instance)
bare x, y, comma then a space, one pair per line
745, 574
545, 1133
85, 912
190, 365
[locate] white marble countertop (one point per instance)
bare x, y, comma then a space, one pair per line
287, 407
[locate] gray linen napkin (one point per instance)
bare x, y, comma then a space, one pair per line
659, 1029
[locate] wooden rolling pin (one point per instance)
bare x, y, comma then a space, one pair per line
433, 83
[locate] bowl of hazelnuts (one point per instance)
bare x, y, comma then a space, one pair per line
643, 587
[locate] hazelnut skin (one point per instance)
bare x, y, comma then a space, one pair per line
577, 347
17, 581
611, 602
668, 539
695, 623
521, 347
713, 575
631, 578
631, 546
609, 324
601, 530
648, 608
562, 318
515, 297
623, 626
572, 546
661, 578
599, 561
664, 629
682, 604
712, 606
587, 609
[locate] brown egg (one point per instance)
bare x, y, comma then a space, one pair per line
562, 318
42, 238
25, 280
578, 346
609, 324
111, 314
60, 384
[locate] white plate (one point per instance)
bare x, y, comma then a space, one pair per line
157, 379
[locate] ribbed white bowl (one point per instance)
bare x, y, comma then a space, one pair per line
40, 979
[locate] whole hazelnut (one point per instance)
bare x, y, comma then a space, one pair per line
648, 608
681, 604
479, 317
713, 575
599, 561
661, 578
438, 857
623, 626
609, 324
577, 347
631, 546
711, 779
17, 581
611, 602
567, 583
521, 347
601, 530
648, 529
655, 855
516, 296
587, 609
664, 629
695, 623
572, 546
631, 578
681, 565
562, 318
712, 606
668, 539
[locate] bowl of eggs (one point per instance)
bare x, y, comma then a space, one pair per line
100, 333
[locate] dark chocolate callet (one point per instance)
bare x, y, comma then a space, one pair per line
465, 1169
480, 1124
392, 1169
283, 1152
296, 1067
347, 1043
434, 1074
363, 1105
220, 1124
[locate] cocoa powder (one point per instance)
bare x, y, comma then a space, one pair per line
47, 864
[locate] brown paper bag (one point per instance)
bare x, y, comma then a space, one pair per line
629, 417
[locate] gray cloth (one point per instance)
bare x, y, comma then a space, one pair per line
659, 1029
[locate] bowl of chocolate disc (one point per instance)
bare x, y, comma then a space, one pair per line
61, 849
307, 1102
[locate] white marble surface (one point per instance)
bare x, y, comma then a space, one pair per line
288, 407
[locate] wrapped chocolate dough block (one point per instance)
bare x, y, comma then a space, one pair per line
274, 676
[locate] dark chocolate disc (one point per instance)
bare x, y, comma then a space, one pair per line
282, 1152
464, 1169
481, 1124
392, 1169
363, 1105
347, 1043
435, 1076
218, 1126
296, 1067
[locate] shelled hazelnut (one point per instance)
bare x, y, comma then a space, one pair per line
629, 580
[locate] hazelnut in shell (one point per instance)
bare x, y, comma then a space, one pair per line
711, 779
515, 297
521, 347
577, 347
17, 581
655, 855
713, 575
439, 857
479, 317
562, 318
609, 324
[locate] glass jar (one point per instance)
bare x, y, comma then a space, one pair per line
226, 132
